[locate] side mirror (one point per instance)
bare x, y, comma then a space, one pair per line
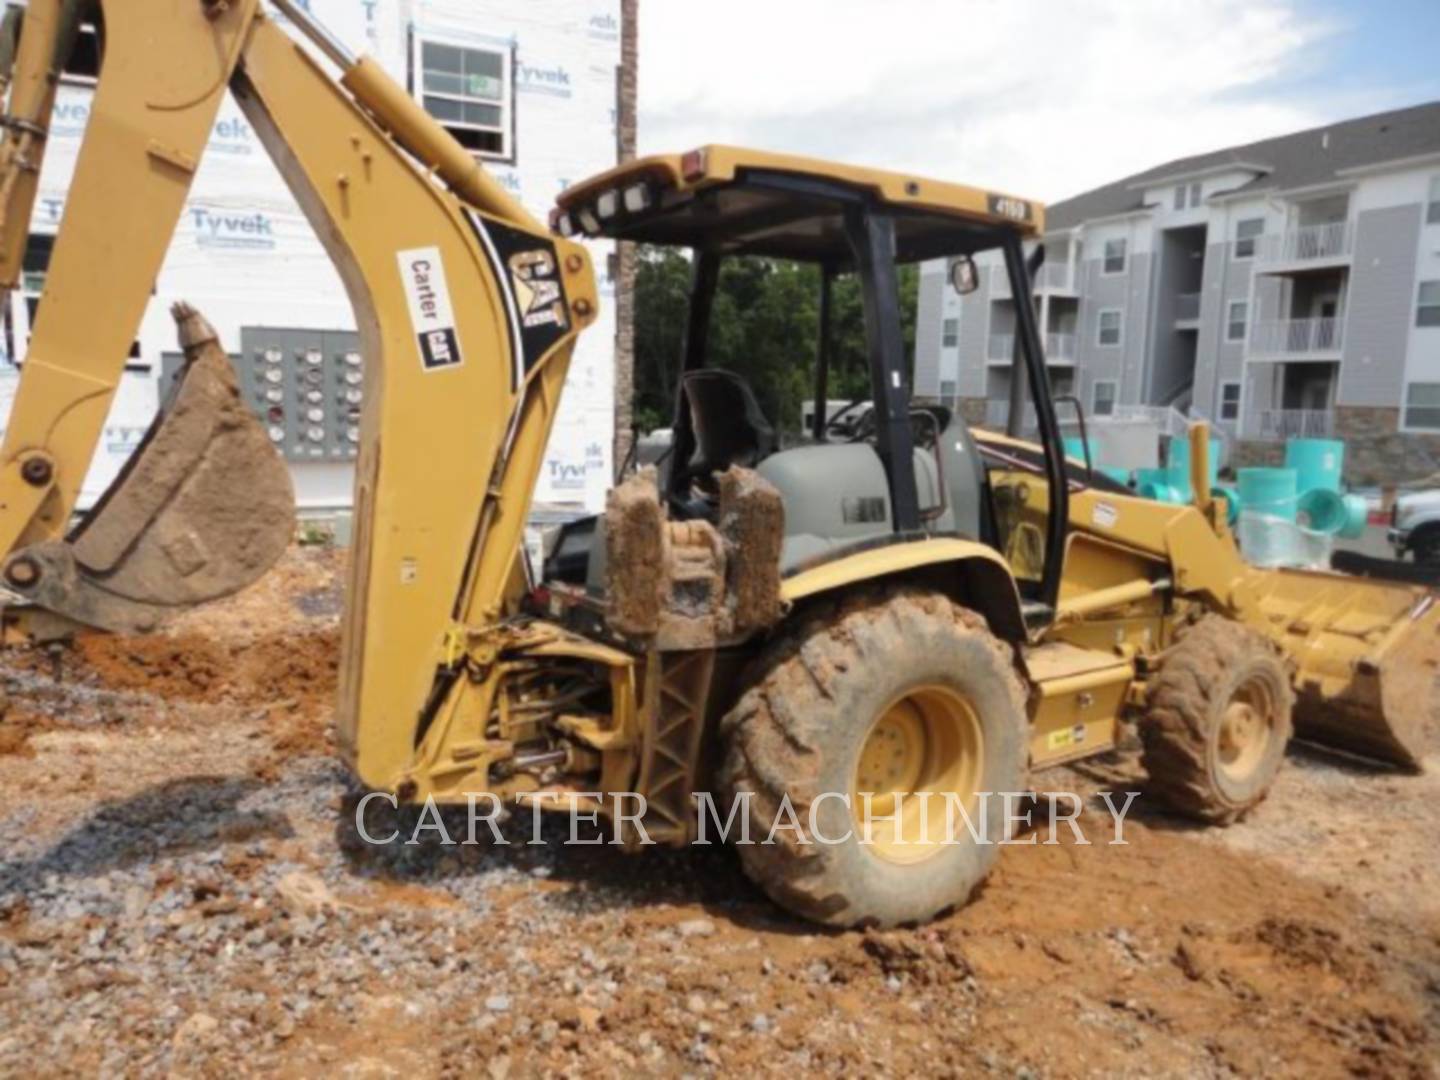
964, 277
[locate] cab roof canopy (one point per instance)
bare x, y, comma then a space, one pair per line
748, 202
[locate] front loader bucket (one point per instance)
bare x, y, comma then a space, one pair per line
203, 508
1367, 655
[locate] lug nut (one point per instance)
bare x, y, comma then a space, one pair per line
582, 307
36, 472
23, 572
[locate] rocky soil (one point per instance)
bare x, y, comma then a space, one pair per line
182, 891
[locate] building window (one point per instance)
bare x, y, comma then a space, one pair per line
947, 388
1432, 205
1196, 193
1246, 233
1230, 401
1235, 320
1102, 398
1115, 256
950, 333
1422, 406
1109, 328
471, 91
1179, 196
1427, 309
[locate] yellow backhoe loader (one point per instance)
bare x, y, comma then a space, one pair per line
900, 608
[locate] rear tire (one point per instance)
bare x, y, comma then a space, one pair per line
1218, 721
900, 692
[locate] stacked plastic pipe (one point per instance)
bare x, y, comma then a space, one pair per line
1171, 484
1321, 500
1308, 491
1292, 515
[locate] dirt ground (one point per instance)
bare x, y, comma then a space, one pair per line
182, 892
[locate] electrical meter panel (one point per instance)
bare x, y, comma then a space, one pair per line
307, 387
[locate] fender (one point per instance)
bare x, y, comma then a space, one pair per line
972, 573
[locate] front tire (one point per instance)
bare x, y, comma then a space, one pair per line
1218, 721
892, 695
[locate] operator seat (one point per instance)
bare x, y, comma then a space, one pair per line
727, 422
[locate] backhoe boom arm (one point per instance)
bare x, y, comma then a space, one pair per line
468, 312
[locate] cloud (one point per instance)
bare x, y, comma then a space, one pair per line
1044, 98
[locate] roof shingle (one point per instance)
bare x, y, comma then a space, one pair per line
1293, 161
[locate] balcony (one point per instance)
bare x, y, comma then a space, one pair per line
1306, 246
1296, 337
1278, 425
1187, 307
1058, 277
1059, 349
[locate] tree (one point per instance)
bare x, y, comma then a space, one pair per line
764, 327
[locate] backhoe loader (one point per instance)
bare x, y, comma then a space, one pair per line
897, 608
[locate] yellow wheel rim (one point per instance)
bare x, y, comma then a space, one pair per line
920, 765
1246, 729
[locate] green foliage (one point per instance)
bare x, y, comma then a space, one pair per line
764, 326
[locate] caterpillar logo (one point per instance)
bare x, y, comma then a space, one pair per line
528, 269
537, 289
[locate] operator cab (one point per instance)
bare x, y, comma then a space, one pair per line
880, 469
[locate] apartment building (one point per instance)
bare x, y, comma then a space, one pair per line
1289, 287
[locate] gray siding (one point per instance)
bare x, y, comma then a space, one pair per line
1129, 293
1261, 391
1137, 327
1172, 352
1378, 309
1272, 297
973, 343
1093, 364
1216, 360
928, 319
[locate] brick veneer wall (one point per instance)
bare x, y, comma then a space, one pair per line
627, 94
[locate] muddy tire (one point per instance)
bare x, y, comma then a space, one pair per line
898, 692
1217, 722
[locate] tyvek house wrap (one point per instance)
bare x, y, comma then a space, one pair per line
245, 255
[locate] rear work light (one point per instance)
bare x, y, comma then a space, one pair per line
589, 224
607, 205
692, 165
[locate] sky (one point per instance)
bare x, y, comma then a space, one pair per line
1041, 98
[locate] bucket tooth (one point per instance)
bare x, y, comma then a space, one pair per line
203, 508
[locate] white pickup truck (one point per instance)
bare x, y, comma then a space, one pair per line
1415, 525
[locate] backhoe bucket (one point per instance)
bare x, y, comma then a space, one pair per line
203, 508
1367, 655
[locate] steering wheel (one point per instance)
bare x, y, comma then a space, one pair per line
851, 428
